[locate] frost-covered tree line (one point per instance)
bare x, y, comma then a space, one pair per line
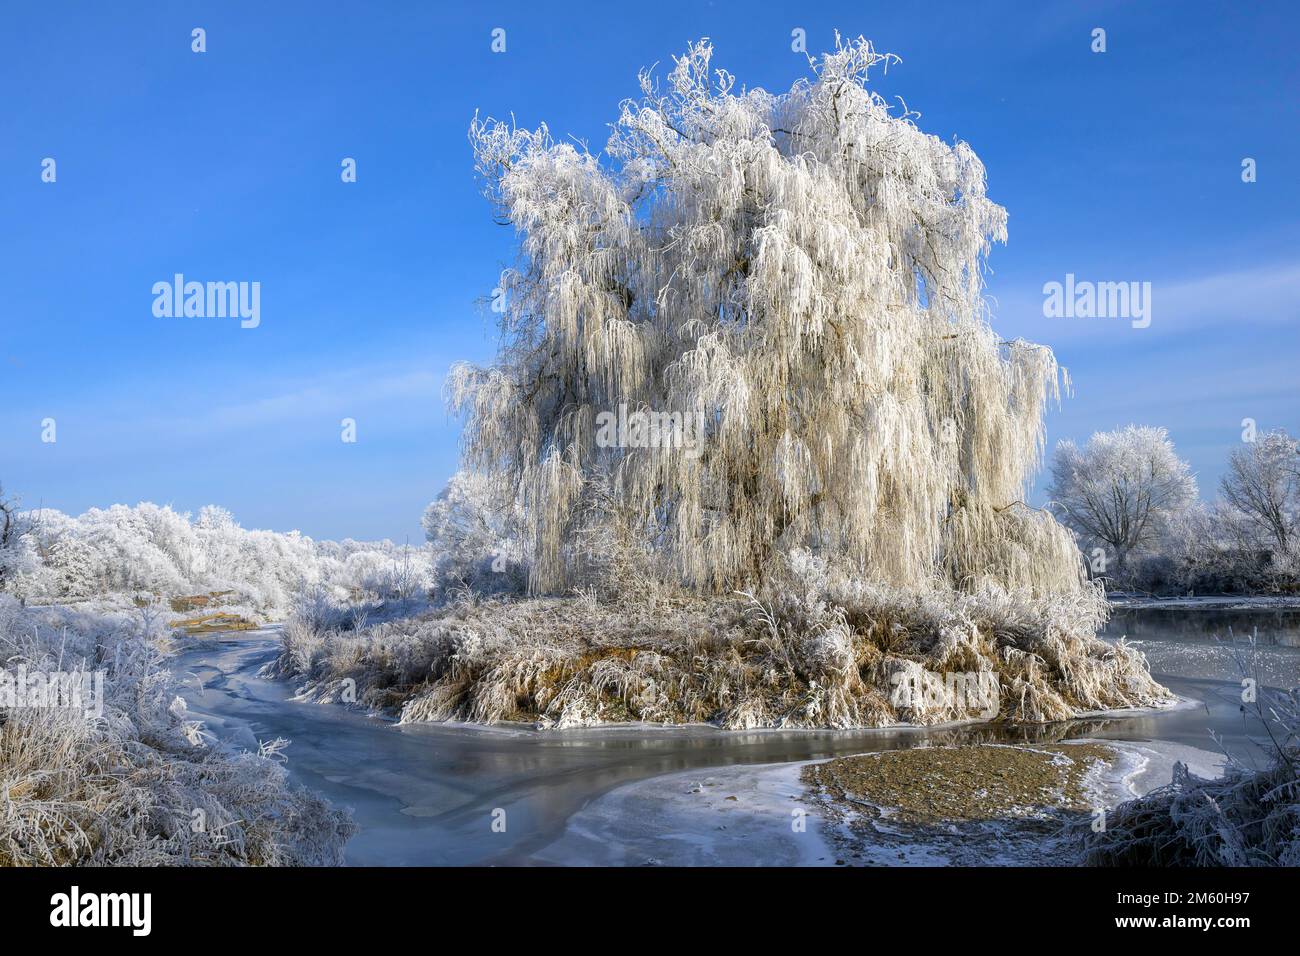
152, 549
48, 556
1134, 505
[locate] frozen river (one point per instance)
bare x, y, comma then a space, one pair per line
430, 794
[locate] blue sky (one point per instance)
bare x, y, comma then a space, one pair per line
1121, 166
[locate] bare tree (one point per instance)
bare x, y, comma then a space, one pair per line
403, 579
1263, 485
1121, 488
801, 275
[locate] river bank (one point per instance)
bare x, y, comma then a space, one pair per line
427, 793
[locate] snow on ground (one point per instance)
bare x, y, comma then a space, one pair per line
1142, 767
755, 815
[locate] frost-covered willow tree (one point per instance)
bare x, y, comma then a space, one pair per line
802, 273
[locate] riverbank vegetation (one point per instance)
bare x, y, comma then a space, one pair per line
812, 648
120, 773
1249, 816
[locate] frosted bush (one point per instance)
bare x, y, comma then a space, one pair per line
474, 538
129, 787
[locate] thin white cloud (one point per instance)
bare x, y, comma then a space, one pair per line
332, 393
1262, 295
249, 410
1266, 294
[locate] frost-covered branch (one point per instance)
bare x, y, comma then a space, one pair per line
803, 271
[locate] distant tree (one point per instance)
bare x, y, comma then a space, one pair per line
74, 567
1263, 485
801, 275
463, 518
1121, 489
15, 526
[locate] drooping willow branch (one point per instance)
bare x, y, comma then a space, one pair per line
804, 272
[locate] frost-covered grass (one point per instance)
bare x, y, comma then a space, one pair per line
143, 784
810, 650
1247, 817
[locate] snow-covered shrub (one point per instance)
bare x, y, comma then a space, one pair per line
392, 573
141, 783
1211, 549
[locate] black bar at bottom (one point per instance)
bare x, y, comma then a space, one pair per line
238, 908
